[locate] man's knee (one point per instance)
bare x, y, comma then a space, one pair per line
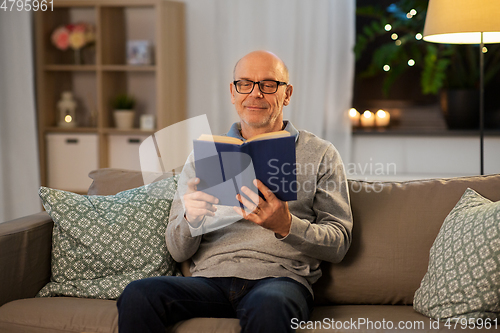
286, 298
137, 292
133, 293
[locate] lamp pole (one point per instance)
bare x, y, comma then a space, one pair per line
481, 103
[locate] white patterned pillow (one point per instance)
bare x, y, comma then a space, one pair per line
463, 276
102, 243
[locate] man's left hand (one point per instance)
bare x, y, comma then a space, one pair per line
271, 213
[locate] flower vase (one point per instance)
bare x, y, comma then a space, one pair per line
78, 57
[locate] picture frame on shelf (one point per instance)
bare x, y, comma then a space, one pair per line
139, 52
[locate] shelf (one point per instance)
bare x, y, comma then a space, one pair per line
424, 132
61, 16
71, 130
128, 68
93, 68
125, 23
71, 68
104, 73
133, 131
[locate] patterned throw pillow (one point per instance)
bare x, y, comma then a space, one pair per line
463, 276
102, 243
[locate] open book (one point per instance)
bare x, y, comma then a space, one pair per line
225, 164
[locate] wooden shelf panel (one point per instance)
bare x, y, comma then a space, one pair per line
128, 68
133, 131
71, 130
71, 68
107, 3
94, 68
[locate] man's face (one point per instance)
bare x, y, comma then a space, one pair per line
257, 110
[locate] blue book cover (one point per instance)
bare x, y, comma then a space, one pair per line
224, 167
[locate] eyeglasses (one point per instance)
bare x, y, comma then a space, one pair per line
265, 86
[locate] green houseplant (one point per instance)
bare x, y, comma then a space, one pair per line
124, 113
124, 102
450, 69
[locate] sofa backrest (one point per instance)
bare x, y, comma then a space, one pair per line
395, 224
109, 181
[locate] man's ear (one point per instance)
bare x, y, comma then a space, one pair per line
232, 90
288, 94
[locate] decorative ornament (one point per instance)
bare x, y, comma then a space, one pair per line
67, 110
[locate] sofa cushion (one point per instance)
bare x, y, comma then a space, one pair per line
102, 243
58, 315
68, 314
370, 319
395, 224
463, 278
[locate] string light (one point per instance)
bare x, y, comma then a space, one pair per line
388, 27
387, 68
413, 12
418, 36
394, 36
398, 42
409, 15
485, 49
411, 62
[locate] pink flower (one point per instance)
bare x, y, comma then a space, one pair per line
60, 38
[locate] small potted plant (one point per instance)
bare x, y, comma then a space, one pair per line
124, 112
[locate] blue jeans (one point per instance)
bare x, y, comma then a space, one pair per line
266, 305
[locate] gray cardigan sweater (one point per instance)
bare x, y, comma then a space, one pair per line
320, 230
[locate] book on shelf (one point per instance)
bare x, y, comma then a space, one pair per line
224, 164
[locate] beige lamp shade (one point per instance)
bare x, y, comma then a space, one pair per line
462, 21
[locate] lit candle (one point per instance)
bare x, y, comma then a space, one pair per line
367, 119
354, 116
382, 118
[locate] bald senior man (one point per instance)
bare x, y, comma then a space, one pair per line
261, 268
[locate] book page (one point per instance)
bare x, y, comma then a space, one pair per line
235, 141
220, 138
271, 135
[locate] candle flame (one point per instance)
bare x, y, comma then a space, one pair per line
381, 114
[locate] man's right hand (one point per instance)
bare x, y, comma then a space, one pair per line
198, 204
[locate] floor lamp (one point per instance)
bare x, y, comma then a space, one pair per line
465, 22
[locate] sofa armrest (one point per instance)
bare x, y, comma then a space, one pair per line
25, 247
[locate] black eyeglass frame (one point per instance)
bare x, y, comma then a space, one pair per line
278, 84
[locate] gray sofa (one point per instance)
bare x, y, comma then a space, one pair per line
395, 224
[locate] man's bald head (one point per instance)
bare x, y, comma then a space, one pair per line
264, 56
261, 112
